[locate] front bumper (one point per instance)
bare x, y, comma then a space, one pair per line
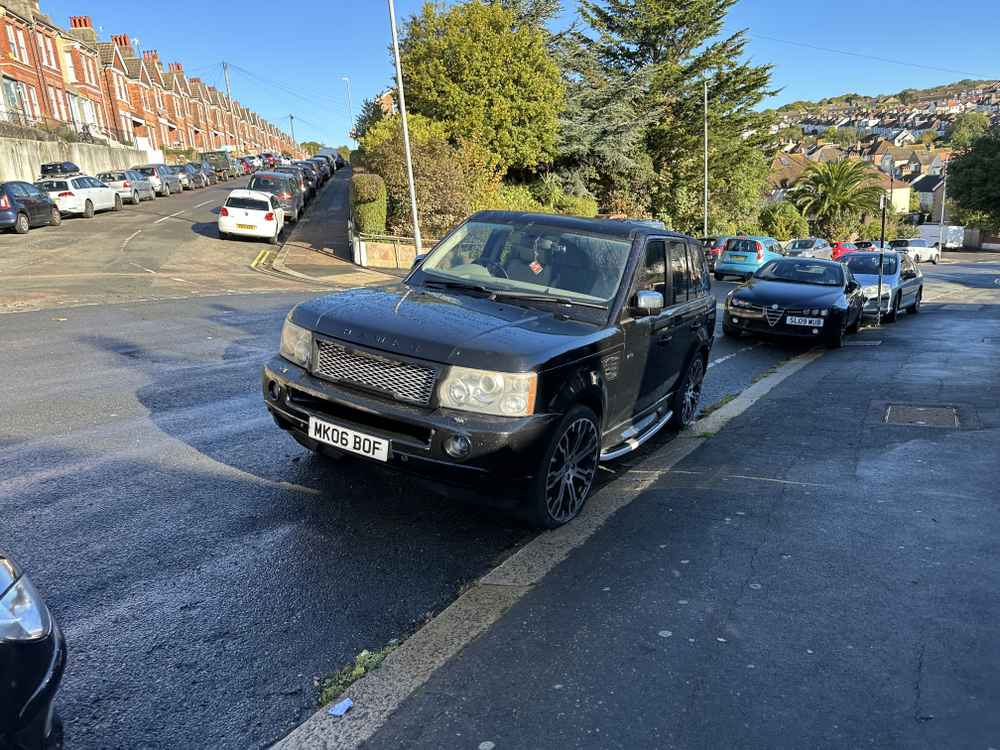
505, 448
871, 306
758, 324
30, 723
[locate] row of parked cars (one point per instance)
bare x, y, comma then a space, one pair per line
742, 255
274, 196
63, 190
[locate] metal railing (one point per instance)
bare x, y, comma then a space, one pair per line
20, 124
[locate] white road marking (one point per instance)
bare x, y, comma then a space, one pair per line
129, 239
720, 360
205, 203
147, 270
183, 281
661, 472
168, 217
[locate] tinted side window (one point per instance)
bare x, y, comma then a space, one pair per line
699, 273
680, 273
79, 183
653, 272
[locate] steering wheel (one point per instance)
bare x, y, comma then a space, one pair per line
493, 267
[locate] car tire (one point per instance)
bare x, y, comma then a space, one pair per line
548, 506
718, 276
731, 330
135, 198
223, 235
88, 210
934, 259
688, 393
22, 224
55, 218
273, 239
915, 307
118, 203
890, 317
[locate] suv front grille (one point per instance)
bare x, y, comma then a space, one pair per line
399, 380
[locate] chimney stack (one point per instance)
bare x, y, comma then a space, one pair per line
123, 43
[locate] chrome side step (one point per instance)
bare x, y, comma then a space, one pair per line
632, 444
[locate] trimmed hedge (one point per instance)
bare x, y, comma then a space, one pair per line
369, 202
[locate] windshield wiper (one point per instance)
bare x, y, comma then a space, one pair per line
529, 297
448, 284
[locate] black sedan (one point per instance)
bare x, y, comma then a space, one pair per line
32, 659
797, 297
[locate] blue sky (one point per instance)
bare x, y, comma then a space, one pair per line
296, 51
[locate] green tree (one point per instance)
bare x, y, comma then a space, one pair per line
533, 13
345, 153
834, 195
791, 133
311, 147
370, 114
421, 129
475, 68
842, 136
967, 127
927, 138
974, 178
672, 48
783, 221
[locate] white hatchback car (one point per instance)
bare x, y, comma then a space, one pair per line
251, 213
81, 194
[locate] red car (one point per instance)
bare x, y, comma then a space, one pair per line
843, 248
713, 249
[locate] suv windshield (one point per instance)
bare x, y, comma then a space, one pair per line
801, 272
531, 257
50, 186
908, 243
868, 264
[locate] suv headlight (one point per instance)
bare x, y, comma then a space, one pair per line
737, 302
296, 344
23, 615
504, 394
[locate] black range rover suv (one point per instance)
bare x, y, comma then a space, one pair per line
523, 350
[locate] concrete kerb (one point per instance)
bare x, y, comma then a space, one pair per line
377, 695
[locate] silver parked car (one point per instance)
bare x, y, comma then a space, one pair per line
132, 186
902, 282
164, 180
195, 176
812, 247
182, 175
206, 170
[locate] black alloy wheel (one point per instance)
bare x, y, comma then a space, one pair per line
688, 394
566, 473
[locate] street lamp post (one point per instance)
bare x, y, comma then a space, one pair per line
350, 108
406, 130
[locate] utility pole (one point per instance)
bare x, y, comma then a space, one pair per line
232, 112
350, 108
944, 199
705, 227
291, 126
406, 130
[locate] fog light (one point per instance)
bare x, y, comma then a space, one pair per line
458, 446
815, 331
736, 320
274, 390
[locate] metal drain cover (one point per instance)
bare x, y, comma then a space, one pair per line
921, 416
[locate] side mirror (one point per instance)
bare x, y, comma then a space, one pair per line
648, 302
417, 260
909, 274
852, 286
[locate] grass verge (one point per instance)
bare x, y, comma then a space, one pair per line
367, 661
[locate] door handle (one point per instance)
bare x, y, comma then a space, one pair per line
664, 338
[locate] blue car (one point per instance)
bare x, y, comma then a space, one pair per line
23, 206
742, 256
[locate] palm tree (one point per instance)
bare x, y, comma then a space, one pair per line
833, 193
